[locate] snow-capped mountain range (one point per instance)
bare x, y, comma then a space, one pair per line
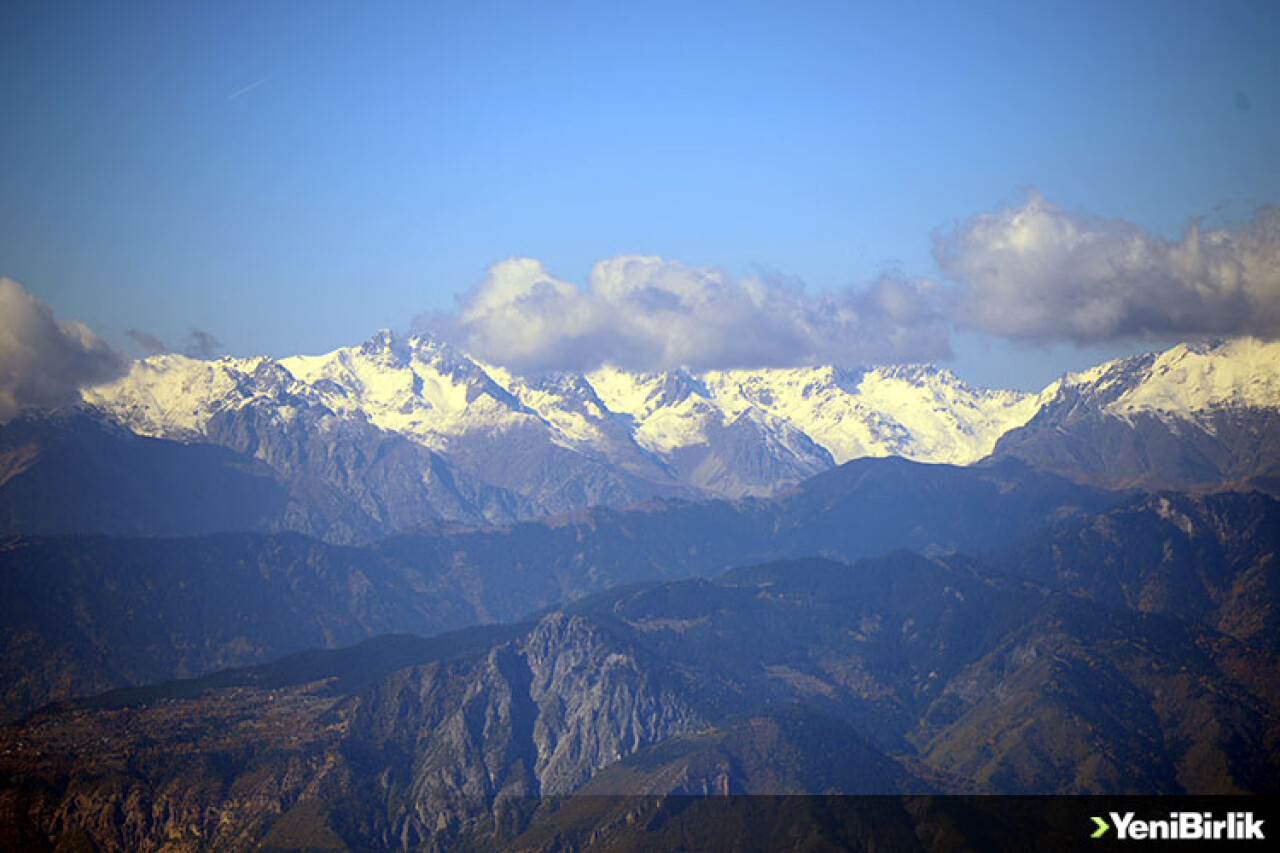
1205, 414
427, 391
1189, 381
554, 442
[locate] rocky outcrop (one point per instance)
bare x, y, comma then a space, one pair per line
447, 749
458, 746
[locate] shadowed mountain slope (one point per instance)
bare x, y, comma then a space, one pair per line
893, 674
98, 613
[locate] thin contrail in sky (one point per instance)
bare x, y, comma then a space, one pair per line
247, 89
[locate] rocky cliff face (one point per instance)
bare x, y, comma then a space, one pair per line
1090, 641
892, 675
534, 717
422, 757
351, 482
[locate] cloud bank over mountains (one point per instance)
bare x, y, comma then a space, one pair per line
44, 362
646, 313
1030, 273
1038, 274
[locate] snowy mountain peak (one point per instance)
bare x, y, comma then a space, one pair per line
727, 432
1185, 381
386, 345
416, 386
173, 396
918, 412
1240, 373
640, 395
1201, 414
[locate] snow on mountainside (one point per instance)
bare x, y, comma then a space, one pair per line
920, 413
173, 396
1195, 414
1185, 382
1188, 380
417, 387
731, 433
669, 410
726, 452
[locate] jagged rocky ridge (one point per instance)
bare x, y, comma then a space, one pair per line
556, 442
405, 431
1202, 415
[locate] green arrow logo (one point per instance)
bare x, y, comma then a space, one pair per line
1102, 828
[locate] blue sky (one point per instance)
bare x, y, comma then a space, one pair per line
291, 177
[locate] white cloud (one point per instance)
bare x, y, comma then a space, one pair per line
646, 313
1036, 273
43, 362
